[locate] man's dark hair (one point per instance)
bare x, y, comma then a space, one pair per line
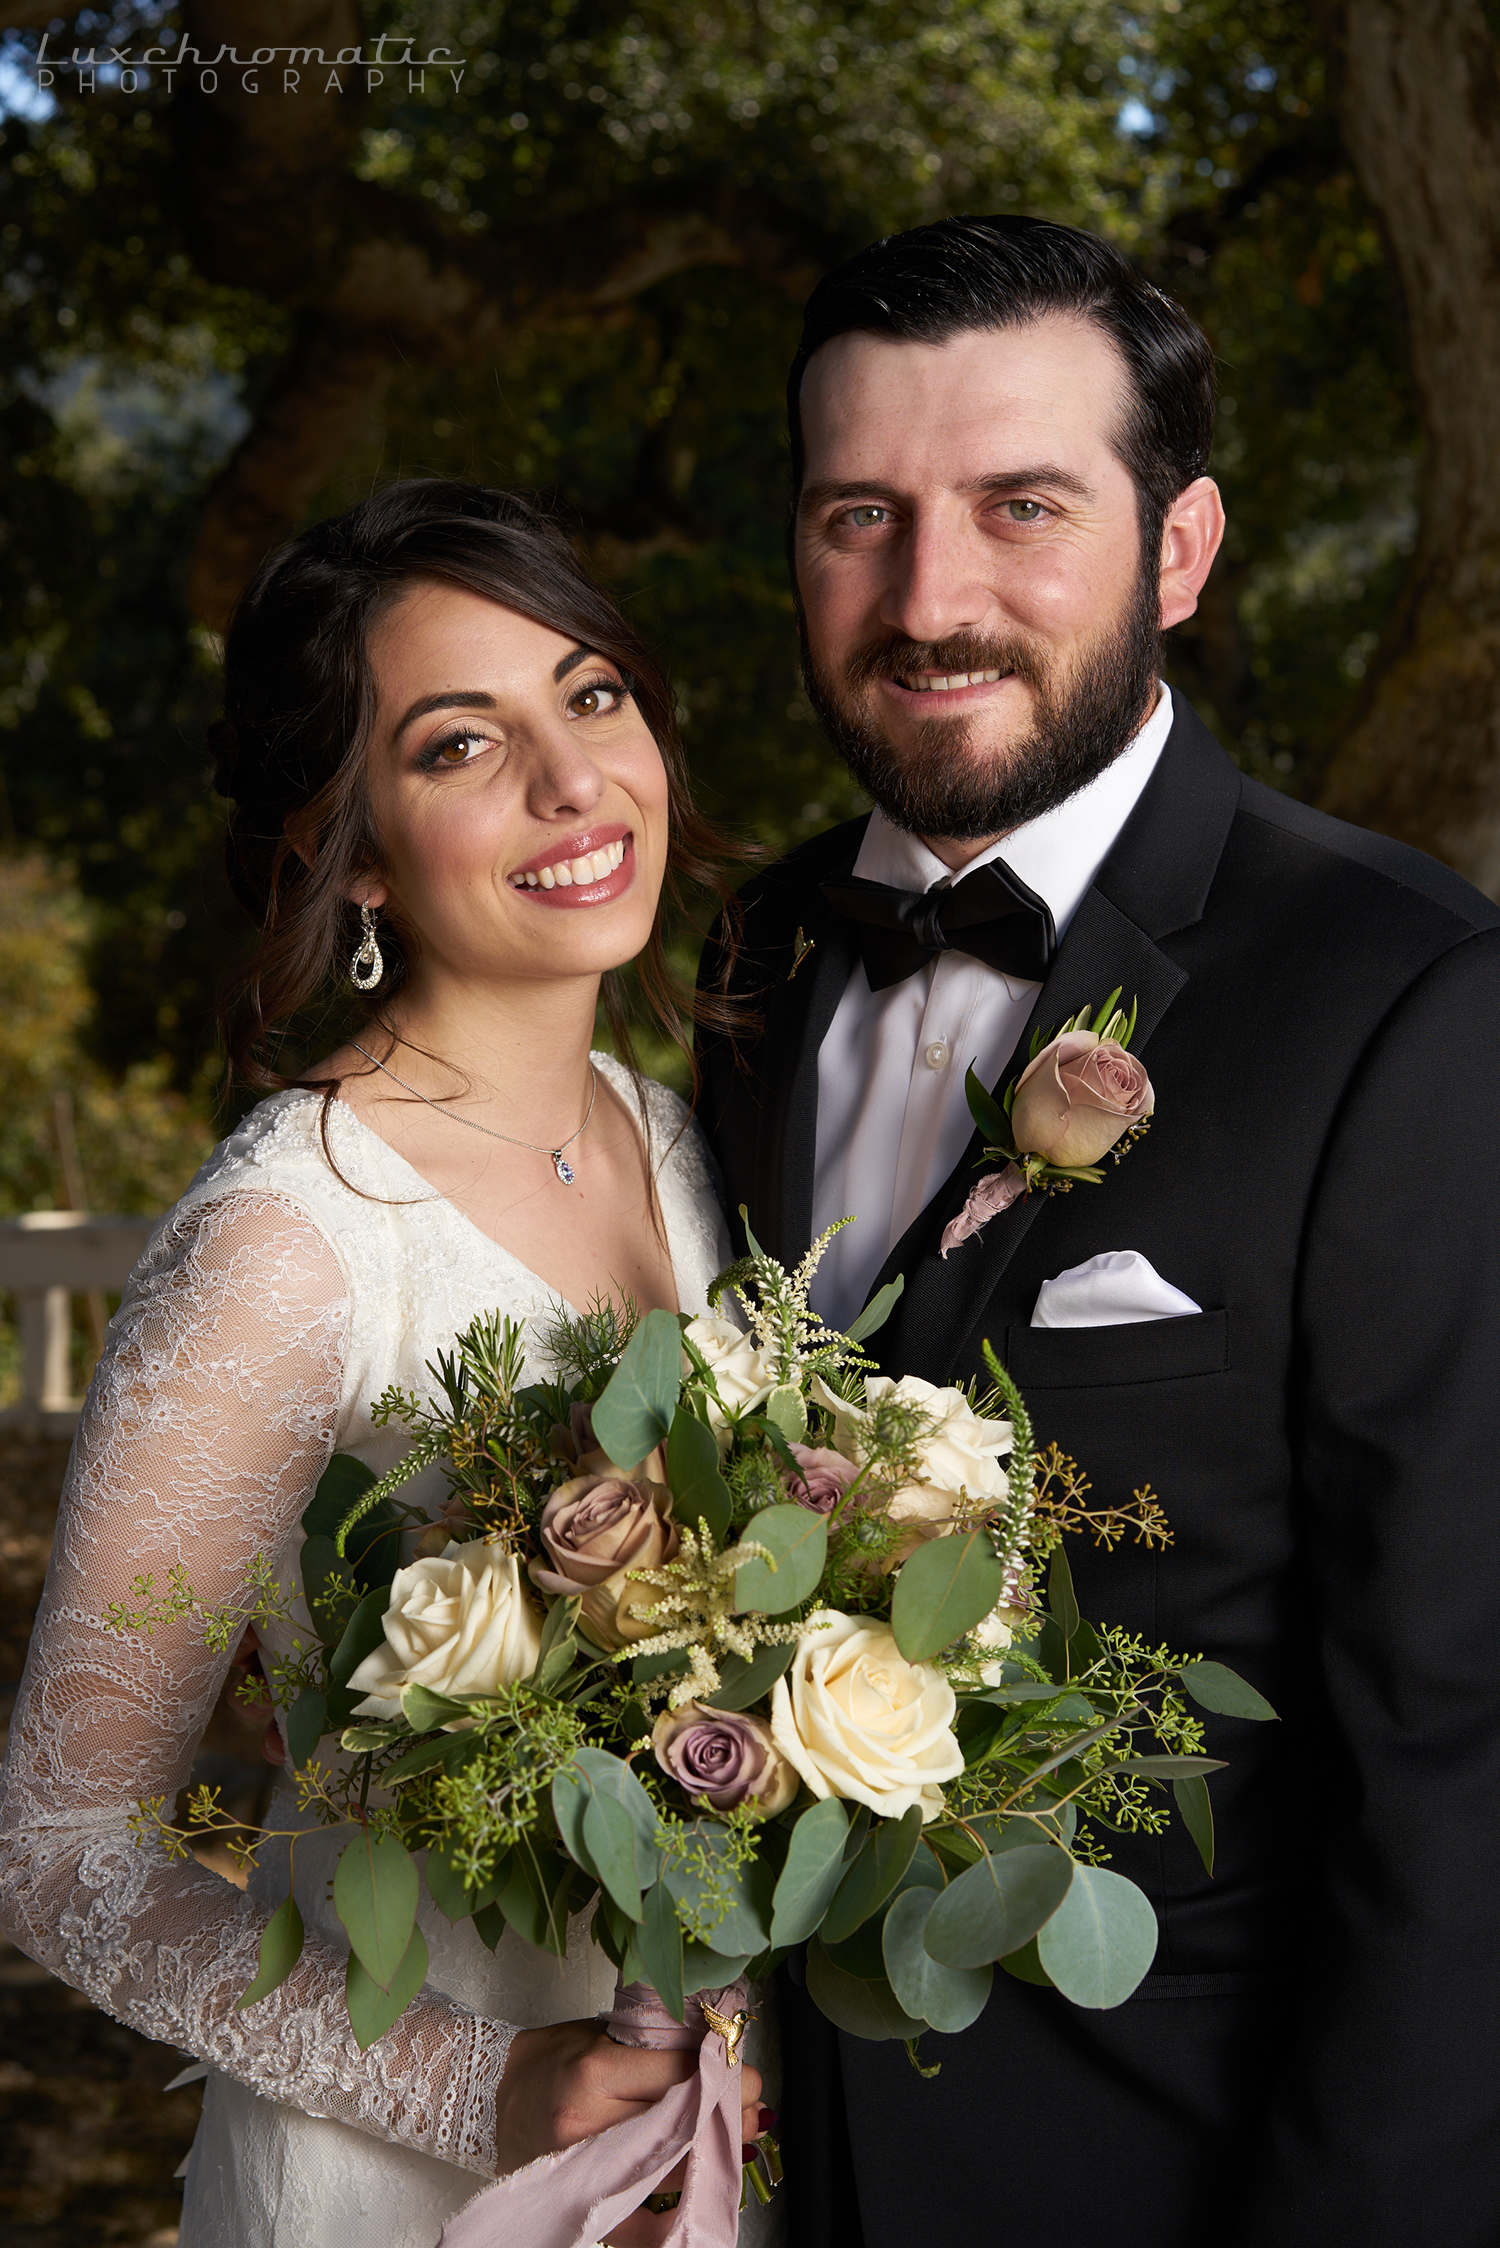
959, 274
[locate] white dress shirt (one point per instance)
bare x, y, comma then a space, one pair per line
892, 1117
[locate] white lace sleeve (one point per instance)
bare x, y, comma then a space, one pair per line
207, 1423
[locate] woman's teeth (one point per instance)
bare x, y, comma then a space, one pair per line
926, 681
565, 873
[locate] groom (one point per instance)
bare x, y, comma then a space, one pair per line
999, 438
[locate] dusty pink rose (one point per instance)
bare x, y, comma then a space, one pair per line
1077, 1097
995, 1192
595, 1529
725, 1755
822, 1479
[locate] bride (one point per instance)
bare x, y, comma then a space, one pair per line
454, 766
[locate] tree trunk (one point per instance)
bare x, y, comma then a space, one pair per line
274, 206
1419, 107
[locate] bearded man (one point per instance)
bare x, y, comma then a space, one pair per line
1282, 1309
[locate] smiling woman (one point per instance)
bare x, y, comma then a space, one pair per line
455, 781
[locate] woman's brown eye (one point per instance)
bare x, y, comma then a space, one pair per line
586, 702
454, 753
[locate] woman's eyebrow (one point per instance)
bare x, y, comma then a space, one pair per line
452, 698
570, 663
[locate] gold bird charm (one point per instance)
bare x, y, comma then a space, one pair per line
800, 950
731, 2027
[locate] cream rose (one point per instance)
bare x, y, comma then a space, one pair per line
743, 1378
1076, 1099
963, 1453
596, 1529
856, 1719
459, 1623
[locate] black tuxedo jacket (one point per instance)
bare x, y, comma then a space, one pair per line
1315, 2060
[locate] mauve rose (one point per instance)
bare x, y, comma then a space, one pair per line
1076, 1099
595, 1529
725, 1755
824, 1478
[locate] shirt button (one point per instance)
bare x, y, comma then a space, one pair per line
937, 1054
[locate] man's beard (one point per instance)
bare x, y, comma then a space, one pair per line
939, 785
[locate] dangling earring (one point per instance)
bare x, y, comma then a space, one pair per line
367, 967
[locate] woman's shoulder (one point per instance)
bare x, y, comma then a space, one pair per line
297, 1149
665, 1116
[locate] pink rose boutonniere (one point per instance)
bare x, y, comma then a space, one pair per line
1081, 1094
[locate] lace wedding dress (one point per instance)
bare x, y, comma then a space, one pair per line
271, 1306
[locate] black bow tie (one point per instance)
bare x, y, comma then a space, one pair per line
990, 914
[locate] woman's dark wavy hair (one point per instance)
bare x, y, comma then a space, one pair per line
298, 704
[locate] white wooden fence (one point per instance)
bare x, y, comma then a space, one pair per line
47, 1258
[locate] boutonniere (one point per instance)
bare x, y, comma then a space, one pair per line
1081, 1094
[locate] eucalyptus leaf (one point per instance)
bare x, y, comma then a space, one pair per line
1026, 1966
946, 1587
374, 2008
644, 1668
303, 1725
280, 1950
609, 1839
534, 1881
873, 1875
1101, 1940
658, 1940
636, 1408
735, 1904
699, 1492
1197, 1815
365, 1632
797, 1540
998, 1905
449, 1891
375, 1890
706, 1969
1060, 1594
747, 1683
612, 1777
812, 1873
329, 1588
489, 1925
865, 2006
571, 1792
950, 1998
877, 1311
1215, 1686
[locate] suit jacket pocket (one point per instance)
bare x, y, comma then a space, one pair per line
1147, 1350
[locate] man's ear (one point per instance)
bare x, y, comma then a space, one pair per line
1191, 537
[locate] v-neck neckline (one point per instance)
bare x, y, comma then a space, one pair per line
620, 1082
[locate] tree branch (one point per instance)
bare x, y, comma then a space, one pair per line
277, 208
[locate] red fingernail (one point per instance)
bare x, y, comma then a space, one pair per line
767, 2118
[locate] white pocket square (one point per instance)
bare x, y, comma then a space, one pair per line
1117, 1289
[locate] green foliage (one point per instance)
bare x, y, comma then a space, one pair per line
280, 1950
794, 1543
635, 1409
375, 1889
947, 1997
1100, 1941
812, 1873
946, 1587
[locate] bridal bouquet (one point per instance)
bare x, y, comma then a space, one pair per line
748, 1646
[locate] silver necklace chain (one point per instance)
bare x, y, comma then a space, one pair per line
560, 1165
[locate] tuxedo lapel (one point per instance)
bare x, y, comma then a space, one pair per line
1155, 880
800, 1003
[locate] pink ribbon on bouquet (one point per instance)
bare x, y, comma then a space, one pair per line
573, 2199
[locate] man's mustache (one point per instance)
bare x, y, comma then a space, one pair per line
894, 656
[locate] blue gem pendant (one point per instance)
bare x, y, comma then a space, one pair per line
562, 1167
